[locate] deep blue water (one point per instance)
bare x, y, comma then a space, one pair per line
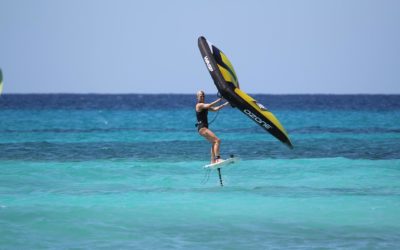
125, 171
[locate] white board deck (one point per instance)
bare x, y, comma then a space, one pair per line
222, 163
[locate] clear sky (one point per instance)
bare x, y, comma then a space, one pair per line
127, 46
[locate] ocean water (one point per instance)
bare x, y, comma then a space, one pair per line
125, 172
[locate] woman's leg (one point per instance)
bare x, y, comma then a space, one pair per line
213, 139
212, 155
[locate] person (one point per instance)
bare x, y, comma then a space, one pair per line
202, 124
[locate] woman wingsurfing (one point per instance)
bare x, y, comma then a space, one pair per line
202, 124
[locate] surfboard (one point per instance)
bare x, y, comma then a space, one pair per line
222, 163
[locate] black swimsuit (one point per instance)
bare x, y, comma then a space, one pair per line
202, 119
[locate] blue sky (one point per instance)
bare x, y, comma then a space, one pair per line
127, 46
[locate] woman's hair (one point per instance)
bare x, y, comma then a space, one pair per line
198, 94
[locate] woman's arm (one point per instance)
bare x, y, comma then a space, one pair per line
218, 107
201, 106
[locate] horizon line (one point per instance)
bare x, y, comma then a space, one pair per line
94, 93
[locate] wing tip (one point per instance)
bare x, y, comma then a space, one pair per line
289, 144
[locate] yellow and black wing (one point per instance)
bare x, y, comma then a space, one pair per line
226, 81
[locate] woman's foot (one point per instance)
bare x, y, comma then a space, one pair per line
218, 159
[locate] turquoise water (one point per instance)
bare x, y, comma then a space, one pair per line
129, 176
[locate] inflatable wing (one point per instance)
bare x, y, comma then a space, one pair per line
226, 81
